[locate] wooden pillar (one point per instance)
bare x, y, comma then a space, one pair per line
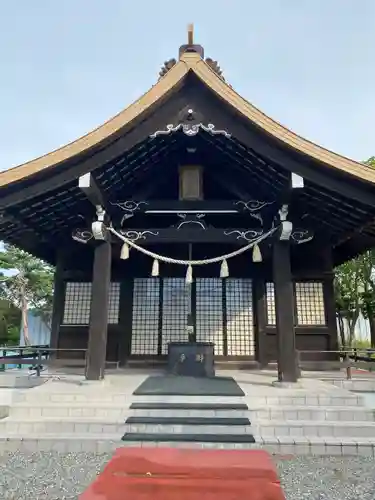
58, 303
260, 303
284, 303
97, 344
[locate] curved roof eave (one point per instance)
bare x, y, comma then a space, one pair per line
95, 137
278, 131
190, 61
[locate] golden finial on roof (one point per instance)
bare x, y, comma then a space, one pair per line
190, 34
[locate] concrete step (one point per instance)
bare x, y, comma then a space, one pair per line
197, 437
96, 397
185, 429
63, 410
191, 413
186, 410
96, 410
173, 420
341, 398
311, 429
187, 425
107, 443
335, 413
97, 443
330, 414
80, 426
316, 446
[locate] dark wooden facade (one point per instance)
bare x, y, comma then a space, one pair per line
263, 310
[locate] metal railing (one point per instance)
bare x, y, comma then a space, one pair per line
39, 357
349, 359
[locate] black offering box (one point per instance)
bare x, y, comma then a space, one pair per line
191, 359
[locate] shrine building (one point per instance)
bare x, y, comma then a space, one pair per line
191, 211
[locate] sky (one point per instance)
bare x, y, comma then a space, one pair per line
67, 66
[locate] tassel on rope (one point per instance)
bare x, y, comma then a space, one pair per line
224, 270
189, 274
124, 255
257, 256
155, 268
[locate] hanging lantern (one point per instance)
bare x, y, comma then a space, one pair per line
257, 256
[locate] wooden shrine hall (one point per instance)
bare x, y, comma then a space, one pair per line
191, 212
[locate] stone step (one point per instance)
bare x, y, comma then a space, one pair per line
310, 428
79, 426
261, 401
188, 425
107, 443
197, 437
92, 398
191, 413
173, 420
332, 399
208, 410
187, 429
187, 406
336, 413
97, 410
117, 411
331, 414
253, 401
97, 443
316, 446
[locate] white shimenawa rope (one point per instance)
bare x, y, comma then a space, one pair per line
169, 260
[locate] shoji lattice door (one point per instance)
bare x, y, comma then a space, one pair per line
145, 322
209, 312
176, 307
240, 317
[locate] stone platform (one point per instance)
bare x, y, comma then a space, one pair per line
314, 417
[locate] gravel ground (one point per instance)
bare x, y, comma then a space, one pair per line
53, 476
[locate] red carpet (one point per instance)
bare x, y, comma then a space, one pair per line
178, 474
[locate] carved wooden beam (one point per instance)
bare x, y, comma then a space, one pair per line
168, 207
91, 190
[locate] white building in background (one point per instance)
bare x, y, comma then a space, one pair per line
362, 329
39, 332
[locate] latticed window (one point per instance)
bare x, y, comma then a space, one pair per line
240, 320
145, 322
209, 313
271, 310
78, 302
176, 307
309, 303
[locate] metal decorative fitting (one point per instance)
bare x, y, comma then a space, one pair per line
190, 129
133, 235
248, 236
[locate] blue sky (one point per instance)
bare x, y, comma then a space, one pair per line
69, 65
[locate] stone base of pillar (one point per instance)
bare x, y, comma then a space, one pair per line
96, 383
287, 385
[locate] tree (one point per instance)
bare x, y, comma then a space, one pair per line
10, 319
28, 284
348, 287
368, 263
355, 291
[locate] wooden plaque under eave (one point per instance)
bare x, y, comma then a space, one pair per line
191, 182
